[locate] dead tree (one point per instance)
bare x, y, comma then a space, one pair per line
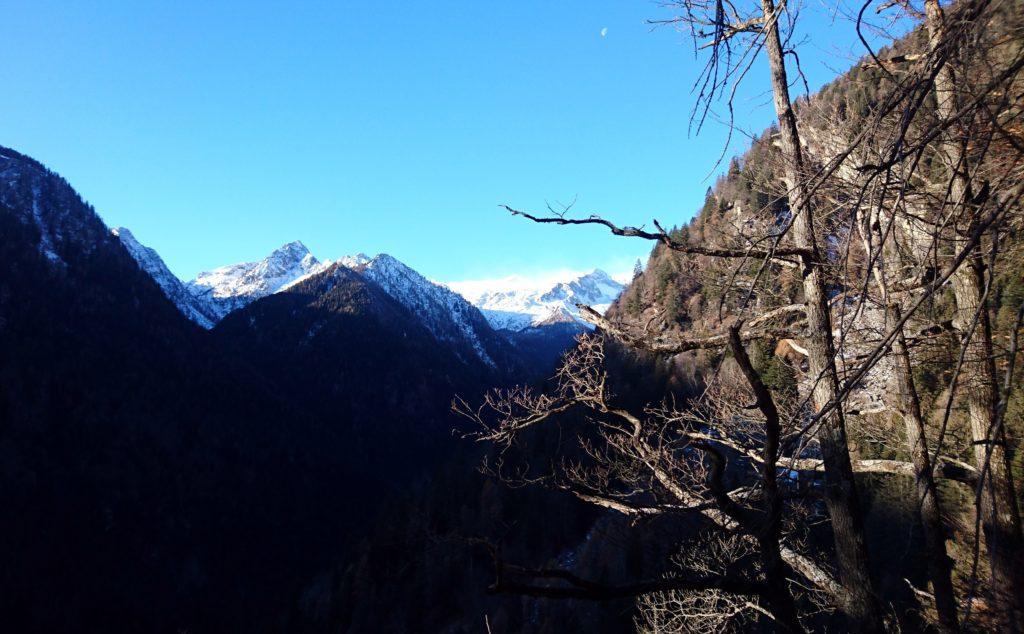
1000, 514
907, 404
841, 497
664, 462
943, 213
957, 230
653, 464
762, 29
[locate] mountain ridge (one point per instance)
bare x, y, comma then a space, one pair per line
233, 286
151, 262
213, 295
161, 477
519, 308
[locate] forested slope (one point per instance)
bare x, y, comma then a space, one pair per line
842, 319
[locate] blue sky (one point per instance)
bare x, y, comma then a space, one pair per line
217, 131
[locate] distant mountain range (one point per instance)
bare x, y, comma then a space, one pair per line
460, 314
192, 456
187, 456
517, 307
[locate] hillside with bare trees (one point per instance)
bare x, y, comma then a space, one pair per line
844, 312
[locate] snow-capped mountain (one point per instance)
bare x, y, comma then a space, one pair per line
446, 314
355, 261
213, 294
151, 262
449, 316
515, 307
231, 287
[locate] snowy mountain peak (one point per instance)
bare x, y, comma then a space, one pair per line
127, 238
355, 261
151, 262
230, 287
294, 250
594, 287
215, 293
513, 304
559, 315
446, 314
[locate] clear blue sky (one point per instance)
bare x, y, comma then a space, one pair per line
217, 131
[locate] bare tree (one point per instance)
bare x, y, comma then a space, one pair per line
919, 231
975, 162
1000, 514
761, 29
653, 464
906, 402
667, 462
841, 494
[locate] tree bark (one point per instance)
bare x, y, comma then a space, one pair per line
769, 534
939, 564
998, 504
908, 404
859, 602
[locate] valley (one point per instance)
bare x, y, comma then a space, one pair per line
801, 410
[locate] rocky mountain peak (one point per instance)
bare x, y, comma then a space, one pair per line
213, 294
355, 261
230, 287
520, 306
294, 251
151, 262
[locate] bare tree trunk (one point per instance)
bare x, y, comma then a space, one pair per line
998, 501
998, 504
939, 565
859, 602
769, 536
908, 404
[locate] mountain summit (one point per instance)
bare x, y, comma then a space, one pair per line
212, 295
446, 314
510, 307
199, 311
231, 287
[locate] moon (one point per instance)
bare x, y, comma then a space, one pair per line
604, 31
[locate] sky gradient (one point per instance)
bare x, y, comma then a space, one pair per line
217, 133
